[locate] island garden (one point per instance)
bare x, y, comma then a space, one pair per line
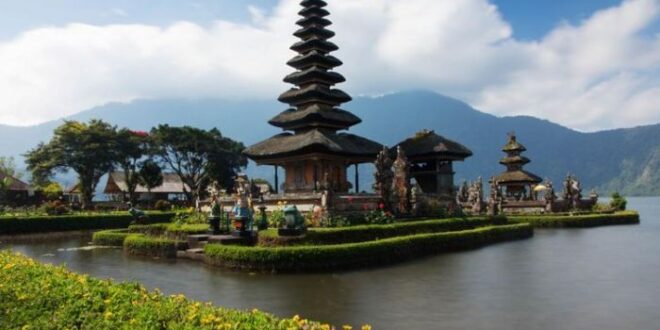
316, 220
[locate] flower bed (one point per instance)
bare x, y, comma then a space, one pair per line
357, 255
41, 224
342, 235
36, 296
579, 221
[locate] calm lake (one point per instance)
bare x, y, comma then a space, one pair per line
601, 278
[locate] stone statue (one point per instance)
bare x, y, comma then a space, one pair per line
572, 192
549, 196
384, 177
401, 184
478, 197
494, 197
415, 198
243, 208
462, 195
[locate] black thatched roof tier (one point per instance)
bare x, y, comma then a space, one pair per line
521, 160
313, 11
314, 43
427, 143
315, 116
317, 3
314, 75
314, 58
314, 93
314, 31
314, 141
519, 176
314, 21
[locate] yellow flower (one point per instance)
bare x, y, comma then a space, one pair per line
107, 315
8, 266
347, 327
296, 317
366, 327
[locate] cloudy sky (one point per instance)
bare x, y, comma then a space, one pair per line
588, 64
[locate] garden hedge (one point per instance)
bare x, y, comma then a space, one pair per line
112, 237
353, 234
41, 224
147, 246
37, 296
579, 221
356, 255
170, 230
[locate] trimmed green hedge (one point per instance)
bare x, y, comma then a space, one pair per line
170, 230
43, 224
37, 296
356, 255
141, 245
342, 235
579, 221
113, 237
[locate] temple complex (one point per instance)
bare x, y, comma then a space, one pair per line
313, 150
516, 183
431, 157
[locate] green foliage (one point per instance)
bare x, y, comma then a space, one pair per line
276, 218
363, 254
189, 216
150, 174
162, 205
362, 233
8, 167
618, 202
86, 148
130, 148
113, 237
56, 207
42, 224
141, 245
579, 221
199, 157
36, 296
52, 191
334, 221
379, 217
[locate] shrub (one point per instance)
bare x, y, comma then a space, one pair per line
140, 245
50, 297
579, 221
333, 221
379, 217
355, 255
114, 237
41, 224
618, 202
341, 235
56, 207
162, 205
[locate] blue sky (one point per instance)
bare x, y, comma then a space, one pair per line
551, 59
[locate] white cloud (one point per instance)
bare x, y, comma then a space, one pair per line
601, 73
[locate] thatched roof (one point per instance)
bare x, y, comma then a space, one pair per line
519, 176
16, 184
522, 160
428, 143
513, 145
314, 93
313, 141
315, 116
172, 184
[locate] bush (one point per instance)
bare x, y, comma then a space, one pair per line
579, 221
40, 296
41, 224
341, 235
618, 202
162, 205
114, 237
140, 245
356, 255
379, 217
56, 207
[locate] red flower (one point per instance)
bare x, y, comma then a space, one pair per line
140, 133
381, 206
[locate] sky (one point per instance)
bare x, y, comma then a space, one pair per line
589, 64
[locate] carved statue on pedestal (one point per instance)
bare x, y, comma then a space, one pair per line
494, 198
402, 182
384, 178
478, 196
463, 194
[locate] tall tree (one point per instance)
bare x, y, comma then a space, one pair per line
86, 148
198, 156
131, 148
9, 174
150, 175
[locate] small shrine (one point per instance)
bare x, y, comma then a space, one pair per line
313, 150
517, 184
431, 159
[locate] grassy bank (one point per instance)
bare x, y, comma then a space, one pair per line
37, 296
42, 224
358, 255
579, 221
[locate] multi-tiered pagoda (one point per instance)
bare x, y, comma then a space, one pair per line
313, 150
517, 182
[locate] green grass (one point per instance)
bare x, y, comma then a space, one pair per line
579, 221
37, 296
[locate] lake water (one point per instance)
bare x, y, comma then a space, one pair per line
600, 278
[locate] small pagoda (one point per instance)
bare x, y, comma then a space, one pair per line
517, 183
313, 151
432, 157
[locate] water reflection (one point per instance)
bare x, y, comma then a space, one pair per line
568, 279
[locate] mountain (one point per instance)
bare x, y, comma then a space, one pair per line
625, 160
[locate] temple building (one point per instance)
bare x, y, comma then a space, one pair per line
517, 183
431, 157
313, 150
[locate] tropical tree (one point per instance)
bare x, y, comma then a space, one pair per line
130, 148
198, 156
86, 148
52, 191
8, 175
150, 175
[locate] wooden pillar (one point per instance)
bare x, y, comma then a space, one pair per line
316, 176
277, 181
438, 179
357, 179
